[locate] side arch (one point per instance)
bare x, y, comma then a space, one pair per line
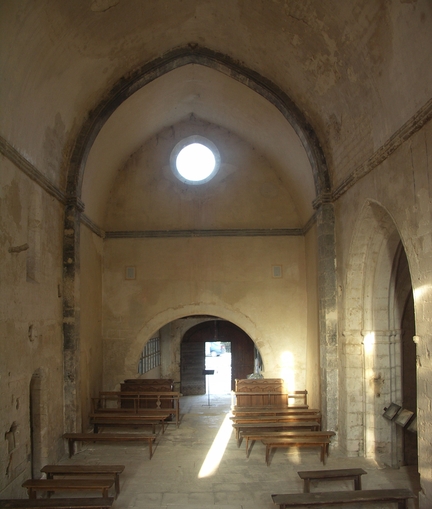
157, 322
371, 349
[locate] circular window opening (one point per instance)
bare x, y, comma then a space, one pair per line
195, 160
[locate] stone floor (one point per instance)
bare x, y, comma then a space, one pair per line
199, 465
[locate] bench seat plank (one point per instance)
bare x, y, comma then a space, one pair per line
276, 418
240, 411
85, 470
275, 443
108, 437
113, 419
331, 475
53, 485
400, 496
251, 436
57, 503
272, 426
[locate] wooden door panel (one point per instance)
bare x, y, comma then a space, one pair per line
192, 363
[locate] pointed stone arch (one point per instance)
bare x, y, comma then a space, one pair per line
193, 54
81, 146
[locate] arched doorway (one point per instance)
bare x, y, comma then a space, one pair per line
378, 346
404, 314
36, 426
192, 353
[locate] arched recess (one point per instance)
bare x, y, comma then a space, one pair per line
131, 355
371, 351
192, 354
38, 422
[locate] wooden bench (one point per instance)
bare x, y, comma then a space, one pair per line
112, 471
298, 395
123, 419
272, 426
138, 402
399, 496
53, 485
318, 441
347, 474
269, 435
271, 410
108, 437
277, 418
57, 503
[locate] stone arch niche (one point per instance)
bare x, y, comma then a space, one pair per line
120, 367
38, 422
375, 297
192, 353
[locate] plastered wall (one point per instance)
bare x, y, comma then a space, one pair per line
226, 277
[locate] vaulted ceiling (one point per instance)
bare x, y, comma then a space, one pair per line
313, 87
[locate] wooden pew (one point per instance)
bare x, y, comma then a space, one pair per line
57, 503
272, 426
298, 396
346, 474
138, 403
109, 471
269, 435
53, 485
126, 419
272, 411
399, 496
277, 418
318, 441
108, 437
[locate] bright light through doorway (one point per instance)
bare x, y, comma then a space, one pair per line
219, 360
195, 162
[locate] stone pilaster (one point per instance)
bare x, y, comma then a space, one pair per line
71, 315
327, 295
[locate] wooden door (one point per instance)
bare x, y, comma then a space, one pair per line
193, 357
192, 365
242, 353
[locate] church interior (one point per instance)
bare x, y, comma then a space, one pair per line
306, 247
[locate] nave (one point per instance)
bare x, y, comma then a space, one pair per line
199, 465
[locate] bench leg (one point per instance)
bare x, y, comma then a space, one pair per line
150, 448
71, 447
117, 483
306, 486
268, 450
357, 483
31, 493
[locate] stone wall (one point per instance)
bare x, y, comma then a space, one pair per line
31, 328
391, 202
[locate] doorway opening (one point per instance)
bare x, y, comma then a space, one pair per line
237, 360
218, 360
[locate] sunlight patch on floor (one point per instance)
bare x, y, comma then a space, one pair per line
217, 450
